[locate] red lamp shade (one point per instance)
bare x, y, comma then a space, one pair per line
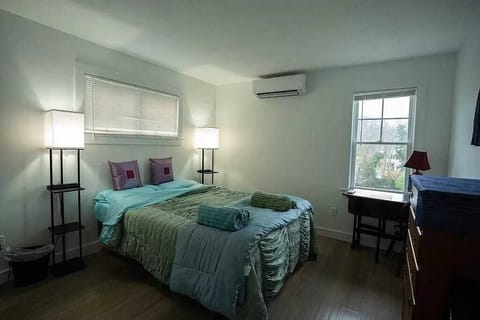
418, 161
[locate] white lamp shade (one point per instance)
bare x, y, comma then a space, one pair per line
206, 138
64, 130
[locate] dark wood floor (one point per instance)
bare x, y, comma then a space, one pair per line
341, 284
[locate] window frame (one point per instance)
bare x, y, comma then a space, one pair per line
127, 133
410, 136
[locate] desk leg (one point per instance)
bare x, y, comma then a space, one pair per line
359, 224
354, 233
392, 241
379, 236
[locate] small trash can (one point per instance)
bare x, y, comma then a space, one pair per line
29, 264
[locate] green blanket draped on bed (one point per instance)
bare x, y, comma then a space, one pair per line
149, 234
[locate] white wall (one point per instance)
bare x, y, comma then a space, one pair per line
465, 158
301, 145
38, 71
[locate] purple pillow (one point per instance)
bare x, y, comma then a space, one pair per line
125, 175
161, 170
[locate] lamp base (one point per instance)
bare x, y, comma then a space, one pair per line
417, 173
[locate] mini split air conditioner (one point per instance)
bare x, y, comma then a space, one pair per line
294, 85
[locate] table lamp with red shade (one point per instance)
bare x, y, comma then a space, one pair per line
418, 161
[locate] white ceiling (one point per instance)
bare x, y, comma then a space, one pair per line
229, 41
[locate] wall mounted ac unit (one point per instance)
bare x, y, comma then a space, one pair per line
294, 85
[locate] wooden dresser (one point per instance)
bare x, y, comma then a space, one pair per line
435, 256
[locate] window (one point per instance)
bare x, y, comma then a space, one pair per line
116, 108
382, 137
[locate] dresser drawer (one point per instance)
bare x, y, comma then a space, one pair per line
408, 288
411, 261
415, 234
407, 305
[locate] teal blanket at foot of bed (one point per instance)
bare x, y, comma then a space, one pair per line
223, 218
209, 263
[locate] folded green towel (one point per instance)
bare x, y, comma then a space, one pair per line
271, 201
224, 218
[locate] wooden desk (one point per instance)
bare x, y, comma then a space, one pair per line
381, 205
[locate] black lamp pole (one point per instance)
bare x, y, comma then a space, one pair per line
203, 165
213, 167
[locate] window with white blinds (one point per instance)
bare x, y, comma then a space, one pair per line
116, 108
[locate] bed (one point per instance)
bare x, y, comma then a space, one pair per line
232, 273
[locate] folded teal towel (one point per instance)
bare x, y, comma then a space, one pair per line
271, 201
224, 218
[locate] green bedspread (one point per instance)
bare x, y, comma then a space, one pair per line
149, 235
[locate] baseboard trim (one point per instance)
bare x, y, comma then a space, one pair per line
88, 248
334, 234
366, 240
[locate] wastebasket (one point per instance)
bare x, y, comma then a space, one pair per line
29, 264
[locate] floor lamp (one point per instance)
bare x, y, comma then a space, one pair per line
207, 139
64, 130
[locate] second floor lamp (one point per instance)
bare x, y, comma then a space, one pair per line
207, 139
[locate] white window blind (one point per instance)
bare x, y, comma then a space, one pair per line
121, 109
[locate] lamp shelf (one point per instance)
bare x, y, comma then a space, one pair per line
207, 171
66, 228
58, 188
65, 149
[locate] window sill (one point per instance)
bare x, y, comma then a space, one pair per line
379, 195
106, 139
